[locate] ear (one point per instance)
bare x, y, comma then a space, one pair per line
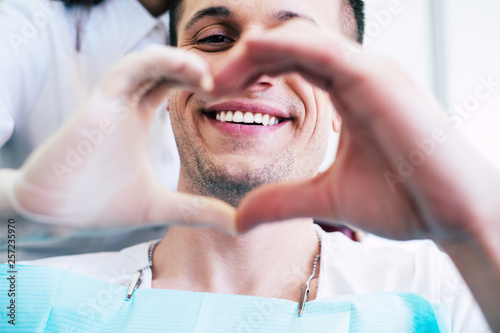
337, 121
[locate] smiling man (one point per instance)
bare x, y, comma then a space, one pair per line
283, 122
269, 129
276, 130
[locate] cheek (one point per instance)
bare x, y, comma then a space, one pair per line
177, 108
324, 113
324, 121
315, 126
324, 104
173, 106
318, 116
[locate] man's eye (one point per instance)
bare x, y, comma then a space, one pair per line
214, 43
214, 39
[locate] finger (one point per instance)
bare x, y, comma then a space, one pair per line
158, 65
369, 86
172, 66
192, 210
243, 72
370, 90
283, 201
299, 47
319, 56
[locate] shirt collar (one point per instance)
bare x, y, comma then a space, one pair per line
123, 24
140, 20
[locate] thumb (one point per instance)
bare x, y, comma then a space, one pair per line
276, 202
191, 210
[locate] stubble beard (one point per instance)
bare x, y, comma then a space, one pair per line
229, 183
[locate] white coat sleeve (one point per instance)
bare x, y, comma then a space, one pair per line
24, 56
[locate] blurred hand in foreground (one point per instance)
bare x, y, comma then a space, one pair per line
95, 171
400, 171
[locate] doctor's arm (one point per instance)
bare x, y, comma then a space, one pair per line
386, 118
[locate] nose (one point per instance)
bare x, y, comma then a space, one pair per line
263, 83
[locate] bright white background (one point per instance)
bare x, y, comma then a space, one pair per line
446, 46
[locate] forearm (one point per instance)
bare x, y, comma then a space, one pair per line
478, 260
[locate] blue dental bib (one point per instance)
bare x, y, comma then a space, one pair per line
54, 300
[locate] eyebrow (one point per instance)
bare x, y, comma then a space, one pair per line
219, 11
286, 15
225, 12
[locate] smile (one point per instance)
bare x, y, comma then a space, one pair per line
247, 118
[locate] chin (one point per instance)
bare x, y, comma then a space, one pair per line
231, 184
231, 176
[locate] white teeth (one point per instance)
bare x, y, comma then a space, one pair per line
238, 117
265, 120
248, 119
229, 116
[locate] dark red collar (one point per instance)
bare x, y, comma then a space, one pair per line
339, 228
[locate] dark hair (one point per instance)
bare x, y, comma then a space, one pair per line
358, 7
353, 18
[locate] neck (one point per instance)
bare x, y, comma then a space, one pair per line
272, 260
156, 7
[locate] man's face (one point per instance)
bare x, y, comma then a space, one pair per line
278, 127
